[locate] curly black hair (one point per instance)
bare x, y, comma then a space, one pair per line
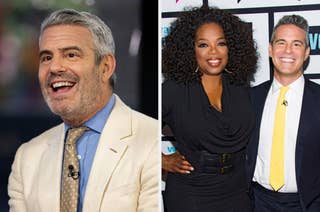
178, 54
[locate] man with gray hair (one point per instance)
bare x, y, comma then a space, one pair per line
285, 144
104, 156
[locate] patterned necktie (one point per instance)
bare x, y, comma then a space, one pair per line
70, 176
277, 151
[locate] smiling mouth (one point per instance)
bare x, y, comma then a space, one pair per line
287, 60
214, 62
62, 86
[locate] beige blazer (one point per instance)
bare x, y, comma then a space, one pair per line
124, 175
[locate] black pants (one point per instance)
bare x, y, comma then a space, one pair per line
265, 200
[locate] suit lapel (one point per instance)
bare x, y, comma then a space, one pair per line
110, 150
258, 100
304, 125
50, 172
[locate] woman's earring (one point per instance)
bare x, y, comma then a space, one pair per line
229, 72
197, 69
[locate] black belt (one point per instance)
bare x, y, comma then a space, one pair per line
215, 163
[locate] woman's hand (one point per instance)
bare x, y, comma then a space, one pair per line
176, 163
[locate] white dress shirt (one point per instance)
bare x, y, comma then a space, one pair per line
293, 110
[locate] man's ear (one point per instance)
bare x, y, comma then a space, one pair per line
270, 49
108, 65
307, 53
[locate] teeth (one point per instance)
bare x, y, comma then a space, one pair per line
214, 62
288, 60
61, 84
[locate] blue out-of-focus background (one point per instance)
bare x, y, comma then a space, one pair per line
23, 113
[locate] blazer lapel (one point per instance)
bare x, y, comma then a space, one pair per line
304, 125
110, 150
50, 172
259, 98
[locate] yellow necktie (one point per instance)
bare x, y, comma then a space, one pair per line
70, 176
277, 151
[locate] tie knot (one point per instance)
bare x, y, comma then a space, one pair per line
283, 91
75, 133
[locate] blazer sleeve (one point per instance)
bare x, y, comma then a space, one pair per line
15, 187
149, 190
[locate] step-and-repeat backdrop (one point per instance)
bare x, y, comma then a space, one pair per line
262, 15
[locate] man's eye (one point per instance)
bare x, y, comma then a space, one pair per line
72, 55
45, 58
297, 44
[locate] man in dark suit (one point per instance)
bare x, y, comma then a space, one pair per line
285, 147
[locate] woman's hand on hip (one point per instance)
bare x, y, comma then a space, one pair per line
176, 163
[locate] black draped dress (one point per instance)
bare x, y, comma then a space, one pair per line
198, 128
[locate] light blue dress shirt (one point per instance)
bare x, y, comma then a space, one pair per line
87, 145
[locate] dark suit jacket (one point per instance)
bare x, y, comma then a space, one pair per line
308, 142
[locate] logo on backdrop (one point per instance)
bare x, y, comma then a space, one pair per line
314, 40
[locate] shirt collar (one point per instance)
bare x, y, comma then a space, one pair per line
296, 86
97, 122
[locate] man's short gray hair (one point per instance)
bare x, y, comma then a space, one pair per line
296, 20
102, 36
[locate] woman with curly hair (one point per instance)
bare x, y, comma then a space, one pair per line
208, 60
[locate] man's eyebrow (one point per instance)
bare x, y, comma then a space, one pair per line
44, 52
70, 48
61, 50
299, 41
279, 40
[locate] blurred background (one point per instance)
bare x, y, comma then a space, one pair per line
23, 113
